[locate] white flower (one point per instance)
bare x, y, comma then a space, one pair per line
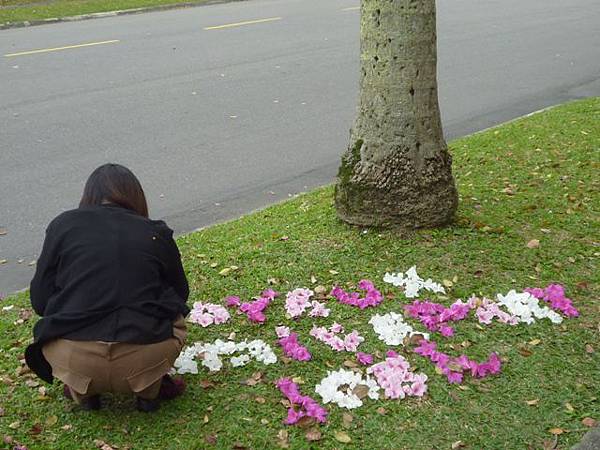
329, 388
392, 329
212, 352
527, 307
412, 282
238, 361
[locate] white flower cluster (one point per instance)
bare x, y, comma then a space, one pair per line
412, 282
392, 329
330, 392
211, 355
526, 307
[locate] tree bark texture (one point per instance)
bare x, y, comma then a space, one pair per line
397, 170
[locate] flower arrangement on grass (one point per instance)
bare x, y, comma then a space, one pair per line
349, 388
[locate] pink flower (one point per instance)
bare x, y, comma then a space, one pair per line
282, 331
205, 319
336, 328
337, 344
319, 310
352, 341
364, 358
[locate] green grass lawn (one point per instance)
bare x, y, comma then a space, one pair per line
22, 10
536, 178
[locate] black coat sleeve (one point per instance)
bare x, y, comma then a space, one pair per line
175, 275
43, 284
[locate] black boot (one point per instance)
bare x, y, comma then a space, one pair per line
146, 405
91, 403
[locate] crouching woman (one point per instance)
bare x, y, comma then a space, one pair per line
111, 293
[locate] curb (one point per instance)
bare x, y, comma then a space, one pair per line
101, 15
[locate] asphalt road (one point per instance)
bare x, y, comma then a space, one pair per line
218, 122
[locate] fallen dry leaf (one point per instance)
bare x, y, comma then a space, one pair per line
569, 407
589, 348
589, 422
381, 410
36, 428
533, 402
535, 342
306, 422
458, 444
313, 435
205, 384
347, 420
361, 391
260, 400
102, 445
534, 243
282, 439
211, 439
351, 364
556, 431
3, 231
14, 425
51, 421
525, 352
342, 437
550, 445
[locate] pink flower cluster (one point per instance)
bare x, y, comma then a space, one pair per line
350, 342
372, 297
254, 310
435, 316
298, 300
488, 309
364, 358
302, 405
290, 345
206, 314
454, 368
555, 295
396, 378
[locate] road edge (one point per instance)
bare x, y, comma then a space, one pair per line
101, 15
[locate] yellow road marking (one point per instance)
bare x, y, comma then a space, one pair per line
56, 49
351, 8
239, 24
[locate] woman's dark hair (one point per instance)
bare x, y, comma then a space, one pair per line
114, 183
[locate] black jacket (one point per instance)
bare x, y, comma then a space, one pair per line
105, 274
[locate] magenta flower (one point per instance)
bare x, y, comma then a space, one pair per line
302, 405
292, 348
555, 295
372, 296
232, 302
435, 316
454, 368
364, 358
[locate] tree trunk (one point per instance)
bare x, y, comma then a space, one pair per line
397, 169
